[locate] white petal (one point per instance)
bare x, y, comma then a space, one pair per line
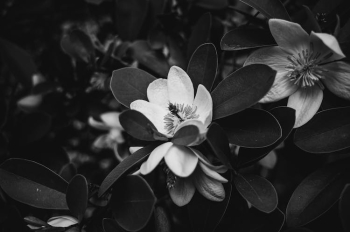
181, 160
98, 125
157, 92
291, 37
269, 161
203, 102
325, 44
155, 157
116, 136
62, 221
182, 192
101, 142
212, 174
306, 102
134, 149
153, 112
111, 119
204, 160
211, 189
180, 87
337, 78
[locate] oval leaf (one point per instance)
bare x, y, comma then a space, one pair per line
269, 8
251, 128
316, 194
203, 65
186, 135
318, 137
245, 38
257, 191
124, 166
33, 184
132, 203
77, 196
130, 84
242, 89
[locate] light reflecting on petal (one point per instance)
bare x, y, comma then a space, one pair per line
306, 102
182, 192
62, 221
209, 188
155, 157
98, 125
203, 102
180, 87
337, 78
181, 160
212, 174
325, 44
111, 119
157, 93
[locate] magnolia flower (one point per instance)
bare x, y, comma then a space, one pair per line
172, 106
304, 64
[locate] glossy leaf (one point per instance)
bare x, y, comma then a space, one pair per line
344, 33
200, 33
132, 203
344, 207
218, 141
251, 128
125, 166
310, 23
130, 84
318, 137
269, 8
33, 184
203, 65
242, 89
186, 135
110, 225
19, 62
77, 196
130, 16
257, 191
286, 118
246, 38
316, 194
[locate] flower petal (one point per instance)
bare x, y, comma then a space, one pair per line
306, 102
182, 192
211, 189
134, 149
153, 112
337, 78
212, 173
180, 87
291, 37
98, 125
111, 119
181, 160
155, 157
203, 102
157, 92
62, 221
325, 44
204, 160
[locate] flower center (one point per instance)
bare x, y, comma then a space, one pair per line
177, 114
304, 69
170, 178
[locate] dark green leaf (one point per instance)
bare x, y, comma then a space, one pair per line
310, 23
316, 194
344, 33
286, 118
19, 62
212, 4
257, 191
200, 33
203, 65
33, 184
130, 84
269, 8
344, 207
35, 221
218, 141
242, 89
68, 171
132, 203
186, 135
319, 137
125, 166
245, 38
130, 16
251, 128
77, 196
110, 225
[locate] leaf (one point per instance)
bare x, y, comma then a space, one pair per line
260, 222
34, 221
78, 45
200, 33
162, 221
132, 203
137, 125
269, 8
130, 84
144, 54
319, 137
205, 215
242, 89
326, 6
251, 128
77, 196
33, 184
130, 16
344, 33
257, 191
286, 118
203, 65
310, 23
68, 171
316, 194
344, 207
218, 141
246, 38
110, 225
186, 135
212, 4
125, 166
19, 62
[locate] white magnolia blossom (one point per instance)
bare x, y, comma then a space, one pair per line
172, 106
304, 64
